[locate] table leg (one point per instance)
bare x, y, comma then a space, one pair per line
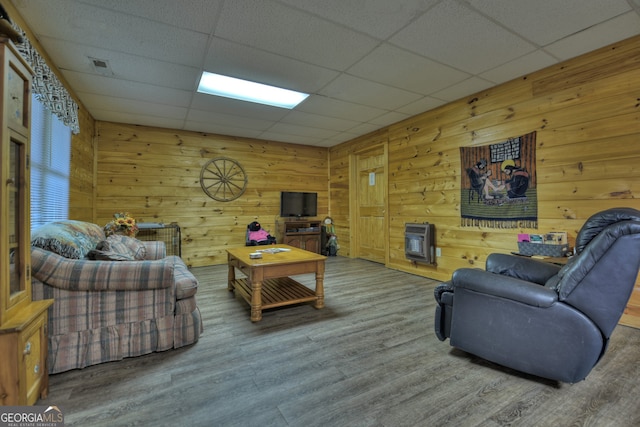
256, 277
319, 284
231, 275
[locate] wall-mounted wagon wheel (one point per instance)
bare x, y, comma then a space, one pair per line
223, 179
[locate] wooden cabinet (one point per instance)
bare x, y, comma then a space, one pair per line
24, 349
300, 234
23, 322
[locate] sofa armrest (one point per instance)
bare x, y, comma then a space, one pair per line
528, 269
510, 288
155, 249
88, 275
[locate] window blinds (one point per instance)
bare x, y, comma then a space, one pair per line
50, 165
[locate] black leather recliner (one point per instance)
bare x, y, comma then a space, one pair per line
542, 319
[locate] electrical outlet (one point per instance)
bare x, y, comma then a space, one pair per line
438, 252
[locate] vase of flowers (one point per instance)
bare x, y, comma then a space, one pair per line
122, 223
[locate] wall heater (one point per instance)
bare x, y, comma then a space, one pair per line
419, 242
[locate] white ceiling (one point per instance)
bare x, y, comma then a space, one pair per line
366, 63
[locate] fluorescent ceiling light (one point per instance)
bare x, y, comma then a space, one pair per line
244, 90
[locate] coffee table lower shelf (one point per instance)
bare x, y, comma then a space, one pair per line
276, 292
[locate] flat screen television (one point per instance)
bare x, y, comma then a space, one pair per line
298, 204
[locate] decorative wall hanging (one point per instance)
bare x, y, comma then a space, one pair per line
223, 179
498, 184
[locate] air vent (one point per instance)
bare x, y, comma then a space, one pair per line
101, 66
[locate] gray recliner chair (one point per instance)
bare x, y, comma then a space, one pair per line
542, 319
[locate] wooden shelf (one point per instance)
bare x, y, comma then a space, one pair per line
277, 292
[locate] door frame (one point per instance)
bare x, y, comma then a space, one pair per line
354, 214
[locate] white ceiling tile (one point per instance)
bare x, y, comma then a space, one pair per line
362, 129
378, 18
73, 56
289, 32
137, 119
120, 32
228, 120
318, 121
545, 21
389, 118
123, 105
299, 130
360, 91
219, 104
452, 34
317, 104
248, 63
200, 15
424, 104
417, 73
108, 86
465, 88
596, 37
366, 63
519, 67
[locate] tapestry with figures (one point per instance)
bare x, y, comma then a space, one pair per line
498, 187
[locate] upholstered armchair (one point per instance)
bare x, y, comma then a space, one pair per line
542, 319
126, 299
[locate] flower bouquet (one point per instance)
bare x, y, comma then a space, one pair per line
123, 223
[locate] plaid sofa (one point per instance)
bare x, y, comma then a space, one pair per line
108, 310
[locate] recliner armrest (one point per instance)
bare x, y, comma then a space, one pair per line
497, 285
528, 269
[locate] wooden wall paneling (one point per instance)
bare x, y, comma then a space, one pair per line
586, 114
82, 171
154, 174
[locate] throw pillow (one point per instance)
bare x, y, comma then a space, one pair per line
100, 255
125, 245
69, 238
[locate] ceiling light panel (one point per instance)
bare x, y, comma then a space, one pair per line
244, 90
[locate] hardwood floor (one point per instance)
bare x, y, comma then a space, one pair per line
369, 358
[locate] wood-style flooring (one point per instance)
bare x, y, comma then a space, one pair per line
369, 358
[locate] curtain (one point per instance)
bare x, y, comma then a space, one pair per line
47, 87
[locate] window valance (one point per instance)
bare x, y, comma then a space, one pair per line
46, 85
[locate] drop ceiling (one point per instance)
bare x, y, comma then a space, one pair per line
366, 63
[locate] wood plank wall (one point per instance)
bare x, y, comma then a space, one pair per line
587, 118
154, 174
82, 171
584, 110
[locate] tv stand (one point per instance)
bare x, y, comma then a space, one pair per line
300, 233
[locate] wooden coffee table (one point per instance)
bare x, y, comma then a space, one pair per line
267, 282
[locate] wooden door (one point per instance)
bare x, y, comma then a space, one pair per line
370, 211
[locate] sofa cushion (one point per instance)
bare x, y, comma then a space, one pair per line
100, 255
127, 246
69, 238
